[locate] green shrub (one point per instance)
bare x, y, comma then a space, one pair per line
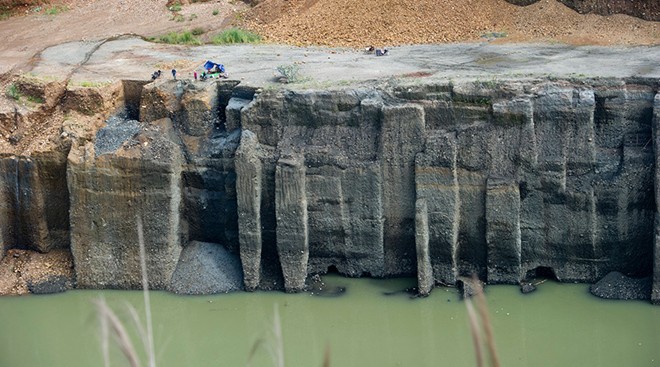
34, 99
175, 7
88, 84
288, 73
197, 31
236, 35
183, 38
56, 9
216, 11
13, 92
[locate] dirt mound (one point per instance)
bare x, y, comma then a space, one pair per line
394, 22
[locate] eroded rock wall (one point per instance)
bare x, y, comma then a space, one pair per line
438, 180
497, 180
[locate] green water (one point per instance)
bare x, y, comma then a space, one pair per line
559, 325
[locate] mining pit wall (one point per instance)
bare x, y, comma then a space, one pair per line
438, 180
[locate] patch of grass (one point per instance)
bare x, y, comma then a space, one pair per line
487, 84
183, 38
197, 31
235, 35
216, 11
13, 92
288, 73
5, 12
489, 36
88, 84
178, 18
34, 99
56, 9
175, 7
192, 16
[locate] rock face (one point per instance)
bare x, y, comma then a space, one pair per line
449, 180
109, 193
34, 202
438, 180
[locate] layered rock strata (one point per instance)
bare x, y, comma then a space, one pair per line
502, 179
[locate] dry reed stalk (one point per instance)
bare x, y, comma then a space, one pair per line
145, 290
112, 323
326, 356
279, 341
480, 325
276, 345
105, 338
476, 334
487, 326
253, 351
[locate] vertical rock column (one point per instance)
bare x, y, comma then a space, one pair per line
34, 202
8, 193
31, 226
564, 126
109, 192
503, 231
437, 211
291, 214
512, 146
425, 279
248, 194
402, 137
655, 293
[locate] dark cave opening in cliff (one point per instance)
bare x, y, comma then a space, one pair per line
542, 272
332, 270
132, 90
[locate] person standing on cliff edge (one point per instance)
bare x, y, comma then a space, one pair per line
174, 74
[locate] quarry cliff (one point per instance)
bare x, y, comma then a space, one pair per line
435, 178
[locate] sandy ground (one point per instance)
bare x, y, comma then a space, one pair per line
322, 67
20, 269
384, 23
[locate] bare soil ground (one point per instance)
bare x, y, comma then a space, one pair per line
26, 35
20, 269
394, 22
319, 22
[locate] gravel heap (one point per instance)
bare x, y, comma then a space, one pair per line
207, 268
117, 131
383, 23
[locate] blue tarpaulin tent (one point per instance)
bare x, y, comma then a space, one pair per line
210, 64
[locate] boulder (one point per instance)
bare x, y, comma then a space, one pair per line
618, 286
53, 284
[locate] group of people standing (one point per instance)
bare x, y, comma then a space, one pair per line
156, 74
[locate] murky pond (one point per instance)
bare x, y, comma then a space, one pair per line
559, 325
